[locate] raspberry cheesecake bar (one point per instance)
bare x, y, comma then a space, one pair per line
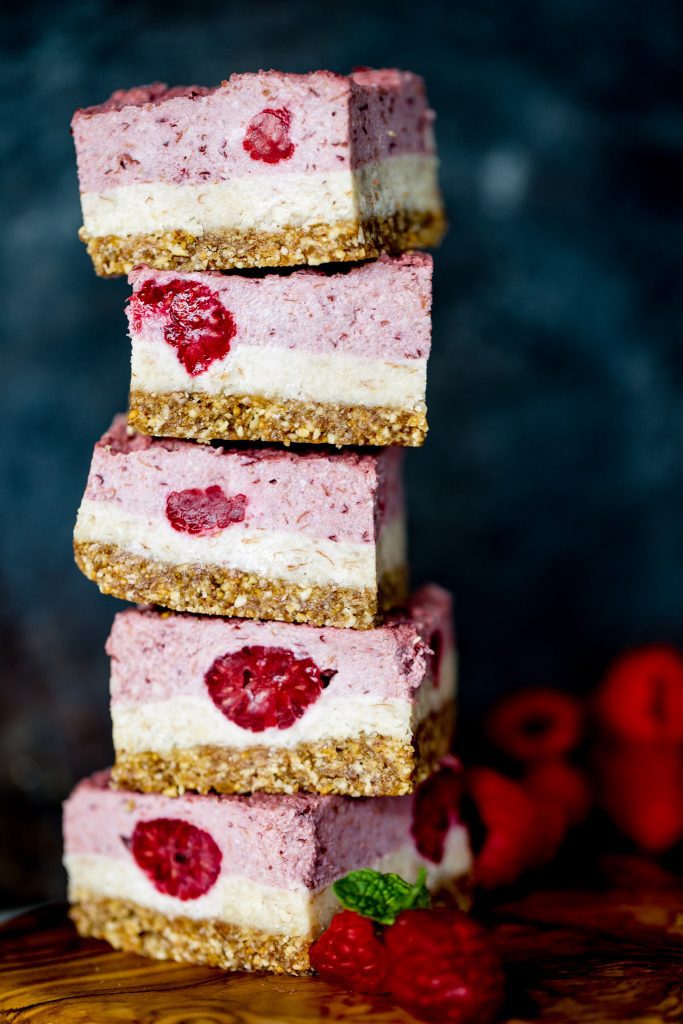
337, 358
233, 881
266, 170
236, 706
259, 533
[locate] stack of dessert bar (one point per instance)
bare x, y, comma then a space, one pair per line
278, 694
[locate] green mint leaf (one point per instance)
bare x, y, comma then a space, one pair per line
381, 897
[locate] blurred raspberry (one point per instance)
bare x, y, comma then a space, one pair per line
535, 724
640, 786
562, 783
503, 821
350, 953
552, 825
641, 697
443, 966
436, 807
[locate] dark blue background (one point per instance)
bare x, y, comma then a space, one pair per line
549, 496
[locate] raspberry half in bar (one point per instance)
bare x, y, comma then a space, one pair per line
336, 358
242, 883
267, 170
232, 706
264, 533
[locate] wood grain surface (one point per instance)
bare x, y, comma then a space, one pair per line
584, 956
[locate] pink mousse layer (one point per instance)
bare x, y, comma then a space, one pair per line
281, 841
342, 497
192, 135
156, 656
380, 310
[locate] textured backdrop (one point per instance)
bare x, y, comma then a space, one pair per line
549, 494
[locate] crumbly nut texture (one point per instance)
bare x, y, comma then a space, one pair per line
215, 590
367, 765
204, 417
136, 929
128, 926
234, 248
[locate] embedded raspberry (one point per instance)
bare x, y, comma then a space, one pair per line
197, 325
259, 688
436, 807
563, 784
503, 821
641, 698
267, 137
180, 859
204, 511
443, 966
535, 723
351, 954
641, 788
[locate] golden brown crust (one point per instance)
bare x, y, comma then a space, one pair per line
204, 417
233, 248
366, 765
129, 926
216, 590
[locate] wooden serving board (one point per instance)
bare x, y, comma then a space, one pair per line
586, 957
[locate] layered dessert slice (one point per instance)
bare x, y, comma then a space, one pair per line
233, 706
266, 533
337, 358
233, 881
266, 170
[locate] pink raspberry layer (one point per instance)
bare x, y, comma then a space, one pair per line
281, 841
157, 656
192, 135
344, 496
379, 310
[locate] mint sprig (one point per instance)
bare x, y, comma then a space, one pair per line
381, 897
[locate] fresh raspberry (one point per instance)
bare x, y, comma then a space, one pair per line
561, 782
350, 953
443, 966
198, 326
503, 822
640, 786
180, 859
535, 723
267, 137
262, 687
641, 697
436, 806
204, 511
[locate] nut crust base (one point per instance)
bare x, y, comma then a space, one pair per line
136, 929
204, 417
128, 926
366, 765
216, 590
233, 248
